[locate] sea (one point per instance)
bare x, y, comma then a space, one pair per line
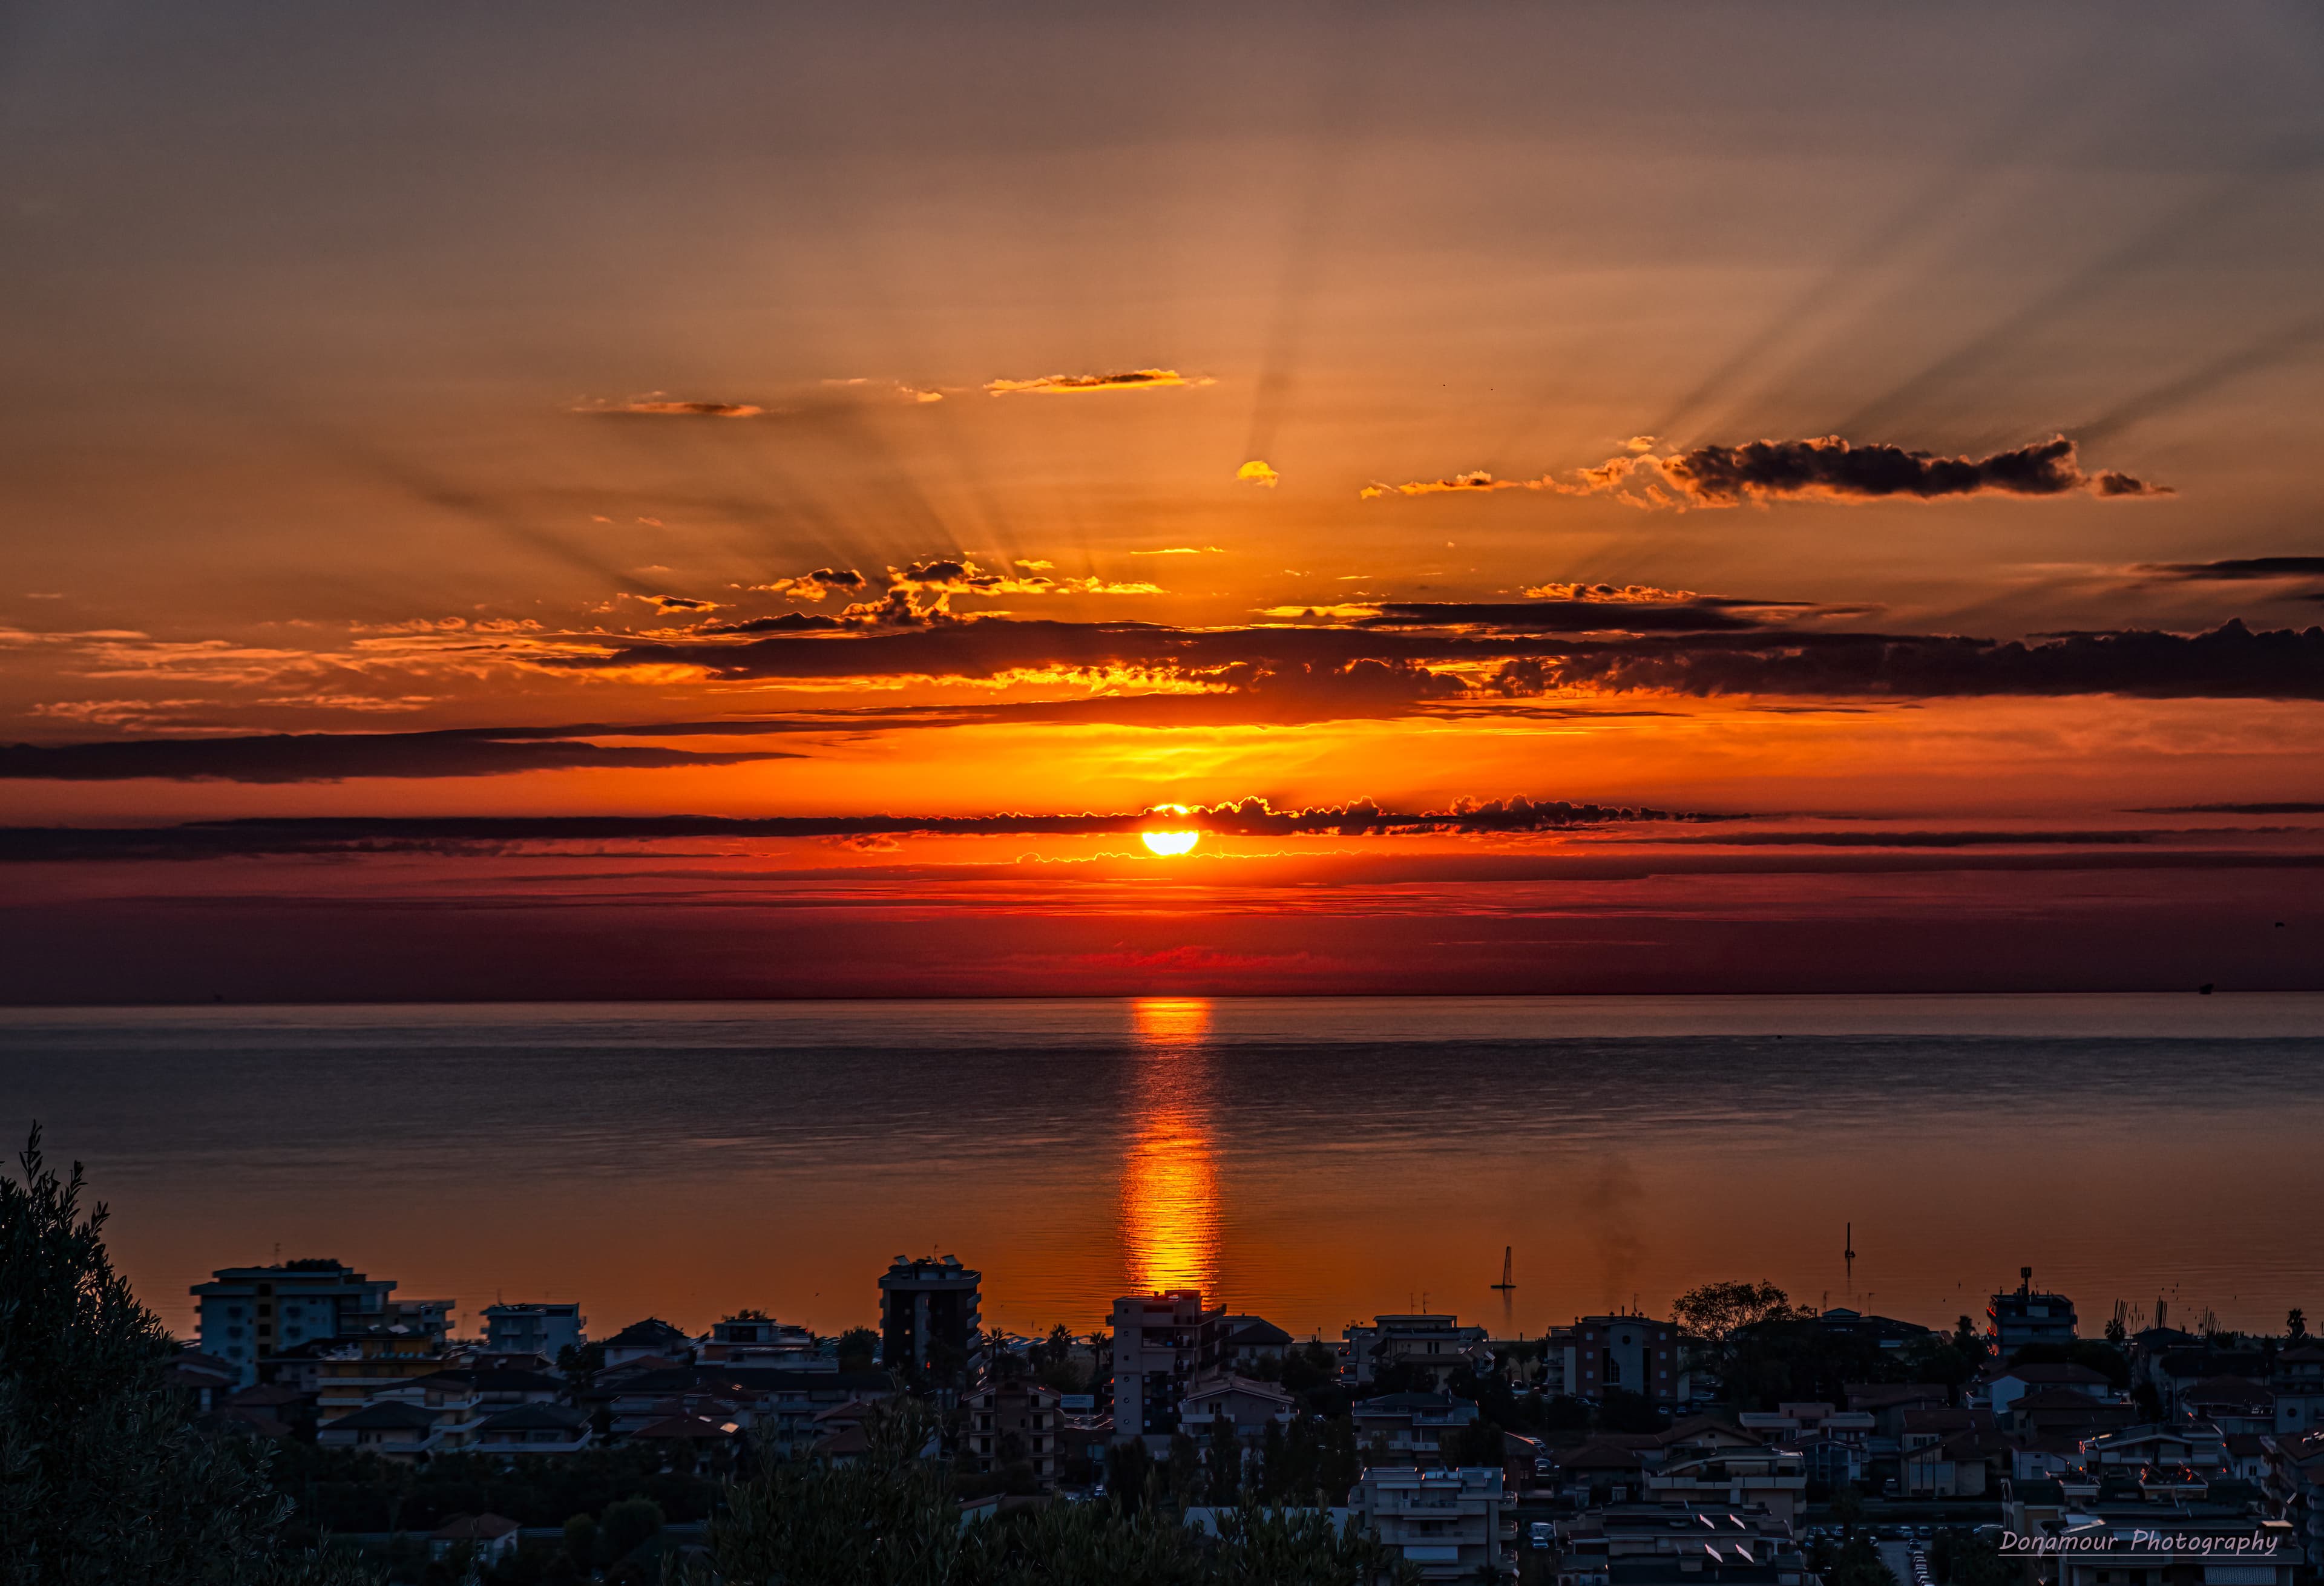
1315, 1161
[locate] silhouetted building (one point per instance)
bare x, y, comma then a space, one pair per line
244, 1313
930, 1318
1426, 1341
544, 1328
2013, 1321
1635, 1353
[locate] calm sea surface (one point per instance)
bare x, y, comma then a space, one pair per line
1310, 1160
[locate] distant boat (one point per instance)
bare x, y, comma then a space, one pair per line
1508, 1269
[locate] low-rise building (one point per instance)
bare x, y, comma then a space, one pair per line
752, 1338
2028, 1316
1243, 1403
2232, 1404
779, 1406
1597, 1546
488, 1539
1450, 1525
2003, 1384
651, 1338
1424, 1341
547, 1328
1013, 1423
1637, 1354
351, 1374
531, 1430
2298, 1383
1774, 1478
1410, 1428
2163, 1462
2295, 1488
1249, 1340
391, 1429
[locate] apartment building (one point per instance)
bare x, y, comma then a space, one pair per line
1014, 1422
1162, 1343
545, 1328
1635, 1353
245, 1314
1435, 1343
931, 1315
2028, 1316
1451, 1524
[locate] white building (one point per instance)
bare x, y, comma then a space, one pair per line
1161, 1344
544, 1328
1448, 1523
246, 1313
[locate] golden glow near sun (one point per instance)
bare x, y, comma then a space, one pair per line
1168, 843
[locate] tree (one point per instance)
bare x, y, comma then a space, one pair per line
1858, 1564
859, 1349
888, 1520
1960, 1559
2081, 1352
2295, 1325
629, 1525
1129, 1474
1184, 1473
1710, 1312
1848, 1508
1224, 1459
102, 1475
1620, 1410
1480, 1443
582, 1544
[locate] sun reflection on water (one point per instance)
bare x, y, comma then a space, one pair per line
1169, 1176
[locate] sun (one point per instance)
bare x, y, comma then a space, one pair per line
1168, 843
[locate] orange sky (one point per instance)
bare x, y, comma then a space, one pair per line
1772, 440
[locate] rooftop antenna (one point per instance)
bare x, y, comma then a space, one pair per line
1509, 1267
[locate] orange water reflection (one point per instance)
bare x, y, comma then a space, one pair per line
1169, 1176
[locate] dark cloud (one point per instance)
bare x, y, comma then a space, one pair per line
2294, 807
1827, 467
330, 757
2237, 569
1249, 817
659, 406
1577, 616
1977, 839
1833, 468
815, 586
2231, 661
789, 623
